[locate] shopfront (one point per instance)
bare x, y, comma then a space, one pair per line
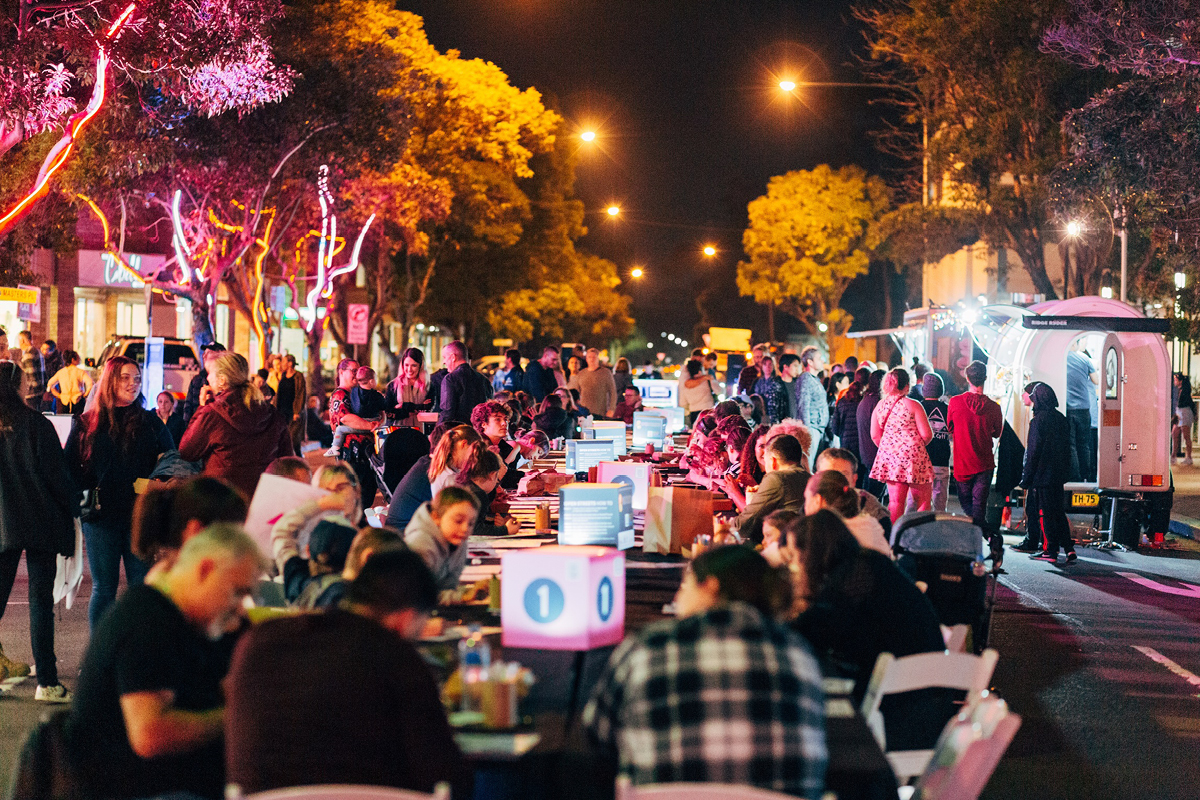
112, 301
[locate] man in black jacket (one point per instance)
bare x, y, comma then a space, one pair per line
539, 375
1046, 472
462, 389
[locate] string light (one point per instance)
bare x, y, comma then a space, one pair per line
62, 150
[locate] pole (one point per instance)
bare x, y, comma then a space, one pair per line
1124, 260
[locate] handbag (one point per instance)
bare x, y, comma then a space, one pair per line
90, 509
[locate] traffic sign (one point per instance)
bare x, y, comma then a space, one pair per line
358, 316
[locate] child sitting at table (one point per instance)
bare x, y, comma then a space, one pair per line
481, 482
438, 532
772, 530
366, 401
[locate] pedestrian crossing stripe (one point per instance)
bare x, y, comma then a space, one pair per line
1159, 658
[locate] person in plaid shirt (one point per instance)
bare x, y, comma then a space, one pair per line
723, 694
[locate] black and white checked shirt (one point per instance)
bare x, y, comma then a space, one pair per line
726, 696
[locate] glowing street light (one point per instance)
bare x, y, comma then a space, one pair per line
1180, 280
822, 327
1074, 229
613, 210
636, 272
787, 86
588, 136
709, 250
1106, 292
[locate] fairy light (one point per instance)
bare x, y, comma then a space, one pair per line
178, 241
62, 150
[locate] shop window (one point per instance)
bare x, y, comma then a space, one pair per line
131, 319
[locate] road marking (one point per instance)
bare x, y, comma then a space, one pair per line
1159, 658
1191, 591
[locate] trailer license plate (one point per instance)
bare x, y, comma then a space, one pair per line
1084, 500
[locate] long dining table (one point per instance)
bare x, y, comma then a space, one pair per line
548, 755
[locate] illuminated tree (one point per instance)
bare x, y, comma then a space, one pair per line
1132, 147
808, 237
163, 59
996, 103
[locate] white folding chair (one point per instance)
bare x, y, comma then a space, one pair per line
921, 671
342, 791
694, 791
955, 637
968, 751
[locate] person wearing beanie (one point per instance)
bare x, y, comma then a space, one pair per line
938, 447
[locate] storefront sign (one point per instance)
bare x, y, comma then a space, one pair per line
30, 311
358, 317
101, 269
19, 294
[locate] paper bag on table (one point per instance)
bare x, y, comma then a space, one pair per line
675, 517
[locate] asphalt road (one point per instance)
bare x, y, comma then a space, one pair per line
1103, 669
1097, 664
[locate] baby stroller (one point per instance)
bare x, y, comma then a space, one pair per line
946, 553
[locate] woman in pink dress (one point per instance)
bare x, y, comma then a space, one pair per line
901, 430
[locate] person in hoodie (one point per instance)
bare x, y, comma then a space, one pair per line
235, 432
1046, 472
975, 421
438, 532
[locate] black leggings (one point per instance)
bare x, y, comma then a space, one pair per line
42, 566
1046, 518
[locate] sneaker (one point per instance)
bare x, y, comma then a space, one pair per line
1187, 462
1027, 547
1043, 556
53, 694
333, 452
14, 669
1071, 557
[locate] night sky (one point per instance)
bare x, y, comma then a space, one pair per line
691, 123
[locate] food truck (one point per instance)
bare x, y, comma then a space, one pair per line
1131, 490
1130, 494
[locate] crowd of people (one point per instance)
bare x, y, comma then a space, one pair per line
179, 693
898, 435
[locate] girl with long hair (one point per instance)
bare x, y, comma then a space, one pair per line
111, 452
406, 394
1184, 417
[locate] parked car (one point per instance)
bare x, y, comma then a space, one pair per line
488, 365
181, 363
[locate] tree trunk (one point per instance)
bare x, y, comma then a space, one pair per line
202, 330
316, 383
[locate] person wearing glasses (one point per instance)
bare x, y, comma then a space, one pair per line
111, 452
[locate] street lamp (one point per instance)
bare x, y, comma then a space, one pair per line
588, 136
709, 250
613, 210
822, 327
787, 86
1074, 229
1180, 280
636, 272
